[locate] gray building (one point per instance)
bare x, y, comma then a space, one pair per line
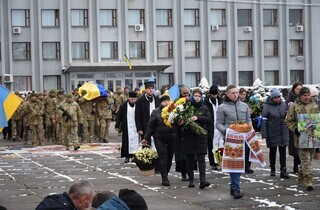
56, 44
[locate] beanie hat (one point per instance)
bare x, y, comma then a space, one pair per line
164, 97
214, 90
52, 91
33, 94
314, 91
133, 199
274, 93
60, 92
39, 94
118, 88
69, 95
83, 92
304, 90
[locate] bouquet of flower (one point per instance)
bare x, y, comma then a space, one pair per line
144, 158
256, 104
181, 110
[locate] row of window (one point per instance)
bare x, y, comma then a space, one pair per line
137, 50
108, 17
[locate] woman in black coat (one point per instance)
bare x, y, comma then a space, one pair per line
195, 144
293, 151
164, 138
275, 131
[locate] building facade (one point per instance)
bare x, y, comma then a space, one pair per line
62, 43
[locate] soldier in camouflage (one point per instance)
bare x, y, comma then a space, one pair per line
59, 122
50, 107
125, 95
117, 99
16, 121
303, 105
34, 110
72, 117
104, 108
88, 109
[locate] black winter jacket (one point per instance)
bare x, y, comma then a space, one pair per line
210, 127
158, 129
273, 126
192, 143
57, 202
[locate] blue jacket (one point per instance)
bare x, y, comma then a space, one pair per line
114, 203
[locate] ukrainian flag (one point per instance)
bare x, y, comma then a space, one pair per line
174, 92
93, 90
127, 60
9, 102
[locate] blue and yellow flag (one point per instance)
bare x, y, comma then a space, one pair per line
9, 102
93, 90
174, 92
127, 60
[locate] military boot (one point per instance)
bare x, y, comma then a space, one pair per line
309, 183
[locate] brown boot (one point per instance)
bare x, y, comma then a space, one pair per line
309, 183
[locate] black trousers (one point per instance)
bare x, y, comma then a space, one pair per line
210, 153
165, 153
273, 154
247, 154
202, 166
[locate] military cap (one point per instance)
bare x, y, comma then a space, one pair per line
33, 94
83, 92
39, 94
149, 84
69, 95
118, 88
52, 91
304, 90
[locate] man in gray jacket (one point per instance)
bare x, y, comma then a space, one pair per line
232, 110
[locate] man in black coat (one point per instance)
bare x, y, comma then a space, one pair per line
212, 102
79, 197
144, 107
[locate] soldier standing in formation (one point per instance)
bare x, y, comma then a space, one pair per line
16, 122
88, 109
34, 110
50, 107
72, 117
125, 95
104, 108
59, 124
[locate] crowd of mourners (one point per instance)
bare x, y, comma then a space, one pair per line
69, 118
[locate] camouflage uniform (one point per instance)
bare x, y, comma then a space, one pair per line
104, 108
50, 107
117, 100
59, 122
16, 121
125, 95
305, 176
70, 126
88, 109
34, 110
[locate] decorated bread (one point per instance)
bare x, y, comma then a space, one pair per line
241, 126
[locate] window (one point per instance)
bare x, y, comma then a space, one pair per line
245, 48
21, 83
20, 17
108, 17
295, 17
50, 18
192, 49
296, 76
218, 17
271, 77
109, 50
167, 79
79, 17
245, 78
296, 47
192, 79
165, 49
219, 78
51, 50
51, 82
219, 48
135, 16
244, 17
164, 17
191, 17
137, 50
270, 17
21, 51
270, 48
80, 50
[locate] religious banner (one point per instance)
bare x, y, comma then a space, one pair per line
234, 154
309, 128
